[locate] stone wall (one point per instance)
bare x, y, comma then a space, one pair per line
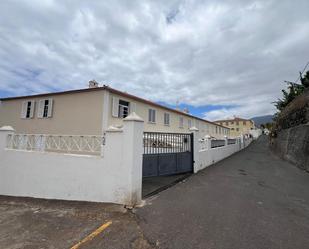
296, 113
293, 145
290, 137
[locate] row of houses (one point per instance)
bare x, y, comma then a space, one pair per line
92, 110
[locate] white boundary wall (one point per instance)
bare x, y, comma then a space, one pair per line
116, 177
205, 156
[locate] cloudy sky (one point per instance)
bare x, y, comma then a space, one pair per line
220, 58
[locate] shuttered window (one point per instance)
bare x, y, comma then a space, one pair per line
166, 119
27, 109
122, 108
45, 108
152, 116
180, 122
189, 123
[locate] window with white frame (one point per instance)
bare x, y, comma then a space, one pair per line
189, 123
197, 124
45, 108
180, 122
122, 108
27, 109
166, 119
151, 115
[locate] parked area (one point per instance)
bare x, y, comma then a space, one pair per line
30, 223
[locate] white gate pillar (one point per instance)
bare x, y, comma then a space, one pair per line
196, 148
4, 132
133, 128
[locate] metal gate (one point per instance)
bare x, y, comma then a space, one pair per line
167, 153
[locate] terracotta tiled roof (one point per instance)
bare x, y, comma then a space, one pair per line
233, 119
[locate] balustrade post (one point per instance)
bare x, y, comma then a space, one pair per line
226, 140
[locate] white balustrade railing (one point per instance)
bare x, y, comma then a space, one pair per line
72, 144
211, 143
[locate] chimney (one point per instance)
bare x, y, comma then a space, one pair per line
186, 110
93, 84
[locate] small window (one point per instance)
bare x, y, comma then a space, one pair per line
152, 116
244, 122
197, 124
180, 122
45, 108
123, 110
27, 110
166, 119
189, 123
232, 129
237, 129
237, 123
226, 123
232, 122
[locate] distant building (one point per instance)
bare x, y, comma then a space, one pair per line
238, 126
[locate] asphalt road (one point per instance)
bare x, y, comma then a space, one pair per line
251, 200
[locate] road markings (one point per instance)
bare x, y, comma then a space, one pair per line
92, 235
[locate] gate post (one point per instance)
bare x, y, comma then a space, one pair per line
196, 148
133, 127
4, 132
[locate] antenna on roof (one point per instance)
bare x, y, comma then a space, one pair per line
177, 105
93, 84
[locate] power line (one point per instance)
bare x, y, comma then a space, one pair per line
302, 72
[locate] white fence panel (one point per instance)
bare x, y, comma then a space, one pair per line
88, 145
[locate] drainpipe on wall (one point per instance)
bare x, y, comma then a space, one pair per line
106, 110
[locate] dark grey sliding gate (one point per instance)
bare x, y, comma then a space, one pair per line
167, 153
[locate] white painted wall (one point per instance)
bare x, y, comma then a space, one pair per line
205, 156
116, 177
256, 133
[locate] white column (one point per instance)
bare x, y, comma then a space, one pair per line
226, 141
208, 142
106, 111
196, 148
133, 128
4, 132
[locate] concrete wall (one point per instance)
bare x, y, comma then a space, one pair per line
205, 156
73, 114
293, 145
206, 128
116, 177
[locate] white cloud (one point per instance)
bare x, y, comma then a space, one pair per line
199, 52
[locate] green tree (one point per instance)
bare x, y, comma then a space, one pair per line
305, 79
293, 90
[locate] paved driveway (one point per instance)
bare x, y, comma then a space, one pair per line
27, 223
250, 200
